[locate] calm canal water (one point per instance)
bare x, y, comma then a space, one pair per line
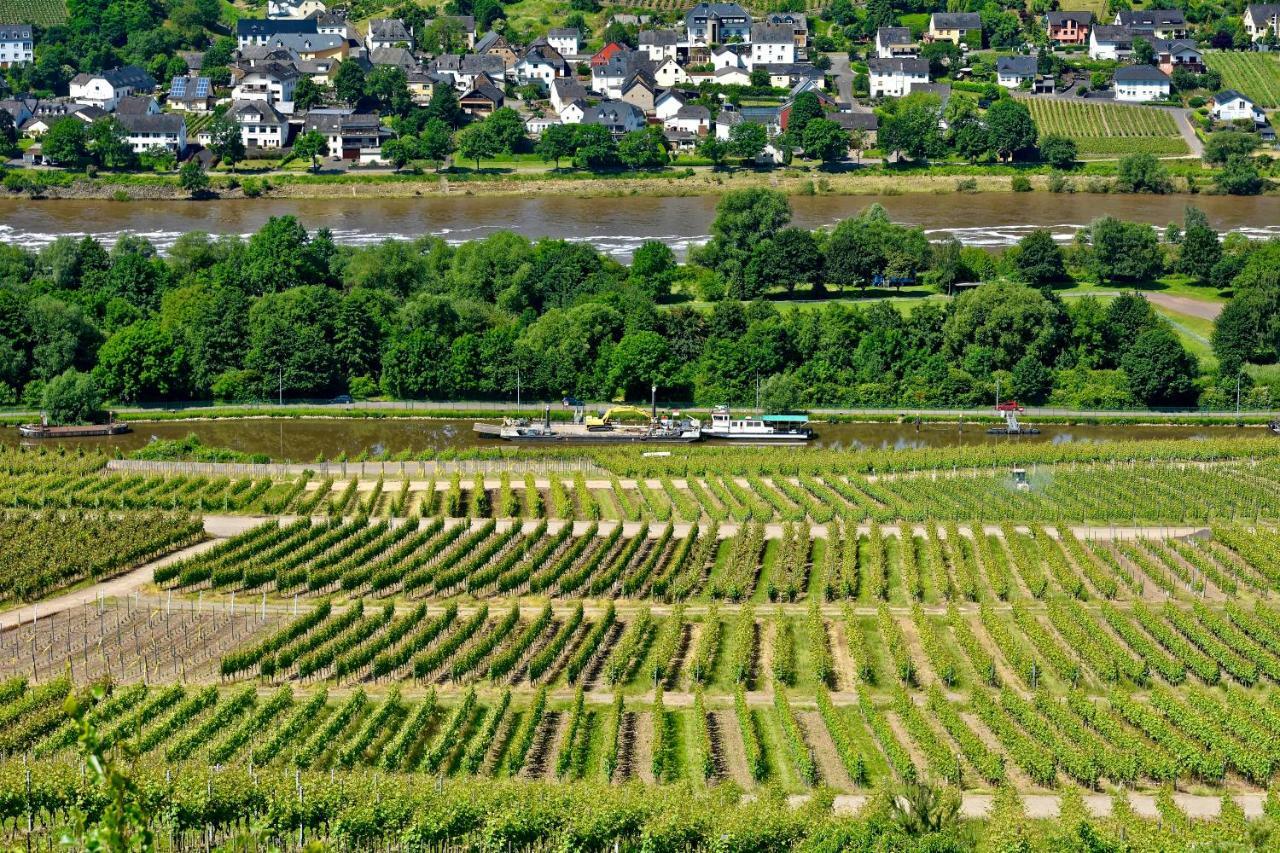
303, 440
613, 225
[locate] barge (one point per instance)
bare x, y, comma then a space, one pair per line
764, 428
604, 429
44, 430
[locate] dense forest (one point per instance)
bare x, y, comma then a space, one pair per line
289, 313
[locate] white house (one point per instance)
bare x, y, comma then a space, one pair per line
17, 47
540, 62
619, 116
573, 112
106, 88
732, 77
564, 91
297, 9
716, 23
1161, 23
251, 31
893, 78
350, 135
667, 104
566, 41
272, 82
1141, 83
894, 41
659, 44
144, 131
388, 32
772, 44
693, 118
1230, 105
261, 124
1110, 43
1261, 17
670, 73
727, 57
1013, 71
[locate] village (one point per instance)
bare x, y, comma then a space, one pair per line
308, 85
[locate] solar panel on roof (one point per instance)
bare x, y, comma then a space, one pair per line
178, 88
202, 87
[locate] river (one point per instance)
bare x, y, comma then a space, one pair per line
613, 225
305, 440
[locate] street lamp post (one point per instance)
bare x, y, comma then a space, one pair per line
653, 399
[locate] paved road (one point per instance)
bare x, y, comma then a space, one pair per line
1186, 305
1182, 118
843, 75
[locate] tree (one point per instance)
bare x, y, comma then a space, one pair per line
1201, 249
643, 149
713, 149
1123, 251
1003, 322
557, 143
507, 129
594, 147
402, 150
192, 178
1038, 260
225, 141
759, 77
141, 362
654, 267
1223, 145
108, 143
72, 398
1139, 173
66, 143
747, 140
1143, 52
477, 142
805, 108
306, 94
311, 145
349, 82
389, 87
825, 140
1239, 177
912, 129
8, 134
444, 106
1012, 128
1160, 370
1058, 151
942, 56
436, 141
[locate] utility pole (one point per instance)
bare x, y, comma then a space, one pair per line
653, 395
281, 385
517, 389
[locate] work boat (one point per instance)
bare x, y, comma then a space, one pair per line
757, 428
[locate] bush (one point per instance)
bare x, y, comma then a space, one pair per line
967, 185
72, 398
362, 387
235, 386
1058, 183
1020, 184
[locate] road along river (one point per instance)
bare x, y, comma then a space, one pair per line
613, 225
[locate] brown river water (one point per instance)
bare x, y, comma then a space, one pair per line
613, 225
304, 440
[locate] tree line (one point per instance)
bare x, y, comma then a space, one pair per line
290, 313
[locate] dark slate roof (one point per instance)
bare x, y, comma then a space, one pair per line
267, 113
129, 75
1057, 19
564, 32
772, 34
660, 38
485, 88
389, 29
15, 32
1020, 66
1151, 17
1112, 33
339, 120
894, 35
1228, 95
1263, 11
956, 21
716, 10
795, 20
694, 111
942, 90
856, 121
401, 57
907, 64
265, 27
1172, 45
1140, 74
151, 122
134, 105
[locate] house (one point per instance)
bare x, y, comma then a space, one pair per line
536, 125
787, 76
894, 41
573, 112
640, 91
294, 8
261, 124
1141, 83
1069, 27
422, 85
796, 22
953, 26
1176, 53
716, 23
1259, 18
564, 91
667, 104
608, 79
1161, 23
694, 118
1110, 42
17, 45
619, 116
466, 69
893, 78
732, 77
566, 41
1013, 71
251, 31
607, 54
137, 105
670, 73
867, 123
351, 135
729, 56
272, 82
495, 44
466, 23
19, 109
333, 24
106, 88
396, 57
1230, 105
310, 46
388, 32
483, 98
144, 131
772, 44
541, 62
190, 93
659, 44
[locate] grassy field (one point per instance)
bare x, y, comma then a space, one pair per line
1107, 129
1254, 74
42, 12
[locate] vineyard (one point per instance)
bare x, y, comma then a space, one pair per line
1256, 75
46, 13
568, 654
1109, 129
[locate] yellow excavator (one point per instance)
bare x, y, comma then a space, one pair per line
614, 414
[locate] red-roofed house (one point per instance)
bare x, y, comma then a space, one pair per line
608, 52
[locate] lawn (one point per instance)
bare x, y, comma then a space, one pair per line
1254, 74
43, 12
1108, 129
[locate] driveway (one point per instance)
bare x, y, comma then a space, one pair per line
1186, 305
843, 74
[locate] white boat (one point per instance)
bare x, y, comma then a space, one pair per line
757, 427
